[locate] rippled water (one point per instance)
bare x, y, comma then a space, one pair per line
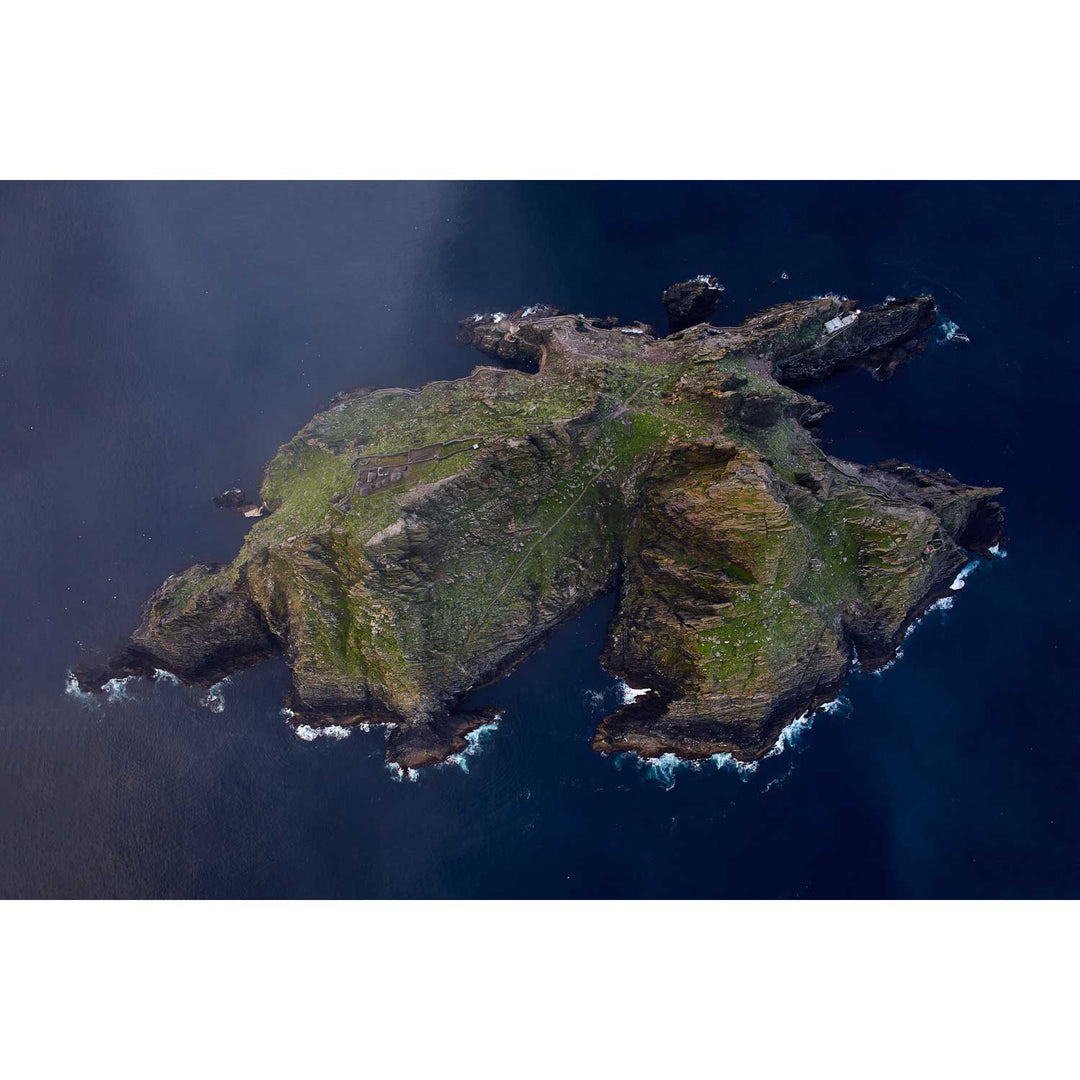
160, 341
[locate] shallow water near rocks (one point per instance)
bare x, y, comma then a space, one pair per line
160, 341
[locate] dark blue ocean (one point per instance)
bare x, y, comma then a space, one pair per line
158, 342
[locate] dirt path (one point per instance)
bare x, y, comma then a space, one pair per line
600, 470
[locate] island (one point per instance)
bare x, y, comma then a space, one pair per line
413, 544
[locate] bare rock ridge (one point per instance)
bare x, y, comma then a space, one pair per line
418, 543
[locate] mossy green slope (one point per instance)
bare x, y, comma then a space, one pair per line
419, 542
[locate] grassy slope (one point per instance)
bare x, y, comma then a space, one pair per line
518, 550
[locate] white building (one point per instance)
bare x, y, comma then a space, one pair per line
841, 321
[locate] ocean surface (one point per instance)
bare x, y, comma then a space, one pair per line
158, 342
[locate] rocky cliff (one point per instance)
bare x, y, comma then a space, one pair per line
417, 543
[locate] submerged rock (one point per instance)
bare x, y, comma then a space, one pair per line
421, 542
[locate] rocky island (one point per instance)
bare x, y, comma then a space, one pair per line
415, 544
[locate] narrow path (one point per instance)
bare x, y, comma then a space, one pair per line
600, 470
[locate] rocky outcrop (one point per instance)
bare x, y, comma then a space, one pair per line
691, 302
879, 339
200, 625
235, 499
420, 542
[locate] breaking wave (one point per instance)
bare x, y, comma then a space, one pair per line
958, 582
951, 332
897, 657
944, 604
473, 740
728, 761
663, 768
628, 694
790, 735
998, 552
332, 731
398, 773
73, 689
214, 699
117, 690
163, 676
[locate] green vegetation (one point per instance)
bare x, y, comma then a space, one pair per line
505, 501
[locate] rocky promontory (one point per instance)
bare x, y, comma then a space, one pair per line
688, 303
415, 544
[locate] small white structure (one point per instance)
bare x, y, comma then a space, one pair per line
841, 321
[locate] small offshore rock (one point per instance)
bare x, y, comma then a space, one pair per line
691, 302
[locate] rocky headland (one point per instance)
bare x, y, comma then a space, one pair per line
415, 544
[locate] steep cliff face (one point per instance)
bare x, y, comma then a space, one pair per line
418, 543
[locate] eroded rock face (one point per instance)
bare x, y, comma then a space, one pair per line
419, 543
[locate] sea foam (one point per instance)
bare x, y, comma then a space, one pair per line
628, 694
897, 657
794, 731
472, 744
214, 699
952, 332
958, 581
664, 767
332, 731
73, 689
117, 690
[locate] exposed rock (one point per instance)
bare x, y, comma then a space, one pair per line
880, 339
422, 542
235, 499
691, 302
